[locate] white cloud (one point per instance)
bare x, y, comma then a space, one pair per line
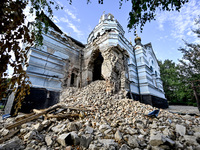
181, 22
56, 19
71, 25
161, 19
72, 15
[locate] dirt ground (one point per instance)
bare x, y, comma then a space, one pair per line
184, 109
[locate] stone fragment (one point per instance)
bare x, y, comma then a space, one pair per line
154, 125
55, 129
38, 126
4, 132
71, 126
89, 130
125, 147
104, 127
48, 140
43, 148
108, 143
190, 140
166, 132
68, 148
132, 142
29, 135
197, 147
140, 136
197, 134
118, 136
108, 131
93, 147
23, 130
15, 144
140, 125
58, 128
178, 145
131, 131
196, 129
156, 139
180, 129
45, 123
64, 139
75, 138
169, 141
85, 140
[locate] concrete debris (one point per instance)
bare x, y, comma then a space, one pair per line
63, 138
132, 142
156, 139
14, 143
118, 136
180, 129
48, 140
89, 118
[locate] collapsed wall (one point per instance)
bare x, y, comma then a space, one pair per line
112, 67
109, 122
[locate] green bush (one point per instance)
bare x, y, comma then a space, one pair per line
195, 104
1, 107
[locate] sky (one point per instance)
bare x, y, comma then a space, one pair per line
166, 33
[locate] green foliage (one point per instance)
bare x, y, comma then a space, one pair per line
13, 31
1, 107
145, 10
190, 66
182, 82
177, 91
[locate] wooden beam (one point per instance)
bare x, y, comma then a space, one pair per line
62, 115
34, 116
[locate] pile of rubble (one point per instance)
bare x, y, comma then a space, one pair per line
89, 118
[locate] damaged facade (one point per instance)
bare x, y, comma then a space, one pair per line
65, 62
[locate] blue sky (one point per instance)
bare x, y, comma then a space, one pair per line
165, 34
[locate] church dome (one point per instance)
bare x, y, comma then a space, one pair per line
137, 40
108, 16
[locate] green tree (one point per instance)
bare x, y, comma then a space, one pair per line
14, 30
176, 90
190, 65
145, 10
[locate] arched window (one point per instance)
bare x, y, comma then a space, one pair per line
156, 74
151, 68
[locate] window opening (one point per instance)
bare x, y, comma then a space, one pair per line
97, 68
72, 79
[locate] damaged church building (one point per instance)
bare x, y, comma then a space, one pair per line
64, 62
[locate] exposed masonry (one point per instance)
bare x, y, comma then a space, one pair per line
65, 62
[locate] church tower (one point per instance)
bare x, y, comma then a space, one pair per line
150, 84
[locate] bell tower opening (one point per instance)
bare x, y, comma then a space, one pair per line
97, 68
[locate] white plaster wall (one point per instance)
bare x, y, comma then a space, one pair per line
46, 70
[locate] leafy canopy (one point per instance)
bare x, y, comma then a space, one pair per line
190, 65
145, 10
